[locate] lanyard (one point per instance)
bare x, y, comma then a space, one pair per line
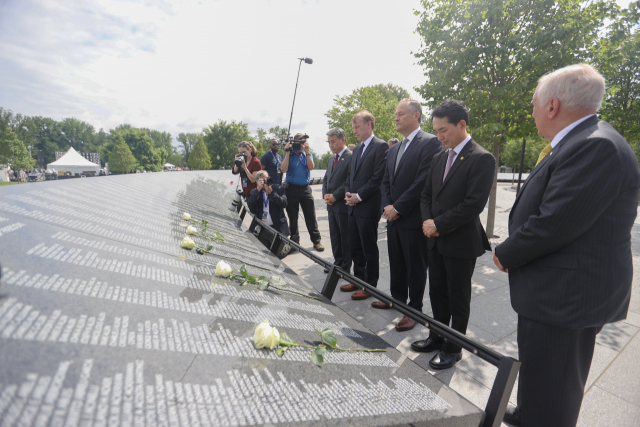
303, 159
265, 199
276, 158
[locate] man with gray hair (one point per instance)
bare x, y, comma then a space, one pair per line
568, 254
333, 193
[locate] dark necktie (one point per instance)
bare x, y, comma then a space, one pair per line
335, 162
359, 154
403, 146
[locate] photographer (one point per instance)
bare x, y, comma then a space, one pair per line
267, 202
271, 161
297, 163
246, 165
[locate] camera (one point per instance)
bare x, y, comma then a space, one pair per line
269, 181
238, 161
296, 144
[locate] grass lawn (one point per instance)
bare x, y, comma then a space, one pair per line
10, 183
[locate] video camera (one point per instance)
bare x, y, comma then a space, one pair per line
296, 144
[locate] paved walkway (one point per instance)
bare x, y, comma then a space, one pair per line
612, 396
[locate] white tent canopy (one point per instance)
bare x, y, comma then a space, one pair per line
169, 165
73, 162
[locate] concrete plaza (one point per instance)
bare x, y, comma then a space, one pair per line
612, 395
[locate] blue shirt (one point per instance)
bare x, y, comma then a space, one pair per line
271, 163
298, 172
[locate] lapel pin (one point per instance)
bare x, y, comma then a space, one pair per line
461, 158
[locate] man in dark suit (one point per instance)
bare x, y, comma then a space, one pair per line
454, 195
568, 254
268, 202
363, 198
333, 194
406, 172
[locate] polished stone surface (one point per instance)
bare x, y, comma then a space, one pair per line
105, 320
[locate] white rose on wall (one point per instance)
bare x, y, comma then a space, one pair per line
192, 230
187, 243
223, 269
186, 216
266, 336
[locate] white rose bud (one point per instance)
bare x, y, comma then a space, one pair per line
223, 269
187, 243
186, 216
266, 336
192, 230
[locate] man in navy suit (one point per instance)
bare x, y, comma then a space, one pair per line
363, 198
268, 202
454, 195
406, 172
333, 195
568, 254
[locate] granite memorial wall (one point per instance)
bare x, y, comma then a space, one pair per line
106, 321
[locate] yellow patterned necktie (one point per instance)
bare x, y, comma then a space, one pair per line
544, 153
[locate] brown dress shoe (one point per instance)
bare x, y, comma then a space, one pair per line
381, 305
360, 295
406, 324
348, 288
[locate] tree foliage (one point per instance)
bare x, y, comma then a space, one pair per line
142, 147
13, 152
511, 152
121, 158
380, 100
222, 140
490, 54
199, 158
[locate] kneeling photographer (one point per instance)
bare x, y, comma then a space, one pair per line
246, 165
297, 163
267, 201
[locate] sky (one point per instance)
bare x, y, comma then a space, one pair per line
179, 66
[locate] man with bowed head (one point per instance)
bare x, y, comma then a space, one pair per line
568, 253
363, 198
406, 172
456, 192
333, 193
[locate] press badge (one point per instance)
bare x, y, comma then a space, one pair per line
244, 182
279, 171
264, 215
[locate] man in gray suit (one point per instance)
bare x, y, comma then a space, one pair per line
568, 254
333, 193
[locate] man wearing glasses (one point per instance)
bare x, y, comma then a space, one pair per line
271, 162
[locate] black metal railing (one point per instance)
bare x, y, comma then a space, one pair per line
508, 367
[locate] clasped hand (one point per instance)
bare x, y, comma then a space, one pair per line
390, 213
429, 229
351, 199
329, 199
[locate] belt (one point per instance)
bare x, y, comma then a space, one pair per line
298, 186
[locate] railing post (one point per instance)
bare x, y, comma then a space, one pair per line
501, 392
330, 282
254, 224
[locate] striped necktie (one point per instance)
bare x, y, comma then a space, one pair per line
544, 153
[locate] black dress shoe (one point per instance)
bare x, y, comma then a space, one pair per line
444, 360
512, 416
426, 346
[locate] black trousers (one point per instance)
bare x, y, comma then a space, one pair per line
450, 293
363, 243
408, 259
554, 370
300, 196
339, 232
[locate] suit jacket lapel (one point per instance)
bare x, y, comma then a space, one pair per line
415, 142
438, 171
466, 151
331, 173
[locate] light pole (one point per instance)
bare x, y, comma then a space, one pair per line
307, 61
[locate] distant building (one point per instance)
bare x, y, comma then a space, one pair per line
92, 157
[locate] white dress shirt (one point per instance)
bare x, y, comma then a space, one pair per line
568, 129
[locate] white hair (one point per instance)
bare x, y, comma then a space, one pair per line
259, 174
414, 107
578, 87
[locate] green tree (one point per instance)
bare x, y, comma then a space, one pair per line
199, 158
141, 146
222, 140
618, 59
77, 134
263, 139
380, 100
13, 152
121, 158
490, 53
188, 140
44, 134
